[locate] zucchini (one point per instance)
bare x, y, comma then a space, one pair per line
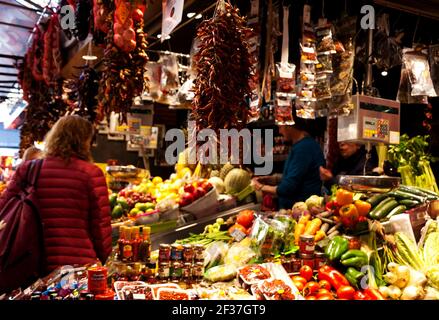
376, 199
372, 213
409, 203
384, 211
418, 192
429, 192
405, 195
397, 210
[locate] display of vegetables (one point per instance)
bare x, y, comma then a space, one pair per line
400, 200
223, 67
412, 159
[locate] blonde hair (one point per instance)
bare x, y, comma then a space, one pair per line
68, 138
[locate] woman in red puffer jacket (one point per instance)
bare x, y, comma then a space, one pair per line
72, 196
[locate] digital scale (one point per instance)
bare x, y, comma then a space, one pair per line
372, 121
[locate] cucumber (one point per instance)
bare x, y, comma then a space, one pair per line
376, 199
409, 203
373, 212
397, 210
384, 211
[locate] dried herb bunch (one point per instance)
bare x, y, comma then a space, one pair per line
122, 77
224, 66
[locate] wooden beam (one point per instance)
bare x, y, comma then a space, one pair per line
15, 25
18, 6
9, 56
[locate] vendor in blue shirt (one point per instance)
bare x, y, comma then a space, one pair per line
301, 177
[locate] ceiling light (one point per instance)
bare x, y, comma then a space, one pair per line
191, 14
167, 37
198, 16
384, 73
159, 36
89, 56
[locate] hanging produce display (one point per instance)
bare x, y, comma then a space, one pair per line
223, 65
124, 59
52, 59
83, 18
82, 92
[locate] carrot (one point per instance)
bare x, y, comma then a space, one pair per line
304, 219
319, 235
313, 226
300, 228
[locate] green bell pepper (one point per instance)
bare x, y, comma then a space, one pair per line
354, 258
336, 247
354, 276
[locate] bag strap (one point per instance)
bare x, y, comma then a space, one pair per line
33, 172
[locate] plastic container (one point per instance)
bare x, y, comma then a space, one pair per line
136, 292
254, 277
203, 206
172, 294
119, 285
155, 288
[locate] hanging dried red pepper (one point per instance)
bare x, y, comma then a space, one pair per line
122, 77
52, 59
223, 66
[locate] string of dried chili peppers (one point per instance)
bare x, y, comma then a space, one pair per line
223, 66
123, 72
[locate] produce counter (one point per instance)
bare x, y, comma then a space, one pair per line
197, 226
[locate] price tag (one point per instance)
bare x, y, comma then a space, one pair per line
238, 235
172, 15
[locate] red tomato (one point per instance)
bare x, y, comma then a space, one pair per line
358, 295
346, 292
245, 218
324, 284
325, 297
299, 285
306, 272
311, 288
311, 298
323, 292
299, 279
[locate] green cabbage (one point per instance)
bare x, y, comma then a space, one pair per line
314, 201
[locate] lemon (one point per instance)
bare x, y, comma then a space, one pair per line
157, 180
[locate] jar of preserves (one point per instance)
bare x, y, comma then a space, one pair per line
187, 272
308, 260
188, 253
164, 271
164, 253
306, 244
199, 253
198, 271
296, 263
354, 242
177, 270
176, 252
320, 259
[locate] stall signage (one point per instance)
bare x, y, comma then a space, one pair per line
172, 15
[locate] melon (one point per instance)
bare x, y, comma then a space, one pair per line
236, 181
225, 170
218, 183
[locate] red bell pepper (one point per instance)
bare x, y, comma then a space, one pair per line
334, 277
358, 295
333, 206
373, 294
